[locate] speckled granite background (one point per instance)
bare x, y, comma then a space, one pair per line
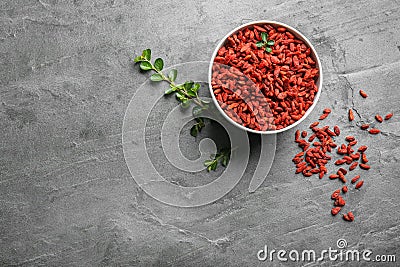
66, 77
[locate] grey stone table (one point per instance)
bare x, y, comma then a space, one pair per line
66, 78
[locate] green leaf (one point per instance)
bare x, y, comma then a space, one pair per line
196, 87
170, 90
213, 166
144, 65
172, 75
138, 59
270, 42
268, 49
259, 44
264, 36
146, 54
196, 111
188, 85
156, 77
191, 93
208, 162
194, 131
159, 64
225, 161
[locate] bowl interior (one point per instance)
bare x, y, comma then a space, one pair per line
298, 35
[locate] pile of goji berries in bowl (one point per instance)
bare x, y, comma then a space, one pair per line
265, 77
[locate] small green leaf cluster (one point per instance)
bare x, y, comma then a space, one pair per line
222, 157
265, 43
145, 64
184, 92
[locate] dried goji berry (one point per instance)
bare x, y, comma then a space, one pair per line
359, 184
353, 166
335, 210
378, 118
364, 166
363, 94
355, 179
388, 116
362, 148
374, 131
351, 115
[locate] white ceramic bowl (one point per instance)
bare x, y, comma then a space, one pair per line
298, 35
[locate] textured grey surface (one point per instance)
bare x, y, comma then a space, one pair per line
67, 198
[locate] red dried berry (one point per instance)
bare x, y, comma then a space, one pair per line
364, 158
355, 179
364, 166
343, 171
353, 166
374, 131
364, 126
335, 210
323, 116
351, 216
314, 124
335, 194
353, 143
349, 150
351, 115
339, 201
378, 118
363, 94
336, 129
359, 184
333, 176
348, 159
297, 135
355, 156
341, 177
362, 148
345, 189
340, 161
388, 116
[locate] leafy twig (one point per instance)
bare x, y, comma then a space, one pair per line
185, 93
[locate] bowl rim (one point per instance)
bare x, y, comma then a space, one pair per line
299, 35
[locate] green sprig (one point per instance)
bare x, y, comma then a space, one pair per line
186, 93
265, 43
